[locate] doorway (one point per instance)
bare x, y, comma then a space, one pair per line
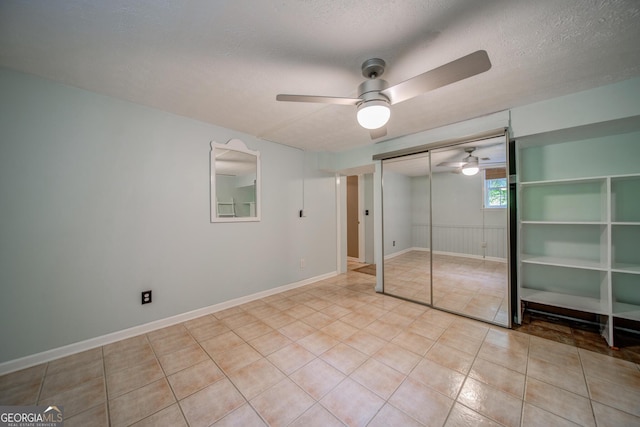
358, 221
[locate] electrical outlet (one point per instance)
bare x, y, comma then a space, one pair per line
483, 244
302, 263
394, 243
146, 297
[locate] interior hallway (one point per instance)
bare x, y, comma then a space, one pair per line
329, 354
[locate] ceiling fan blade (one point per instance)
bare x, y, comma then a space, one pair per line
318, 99
452, 164
378, 133
460, 69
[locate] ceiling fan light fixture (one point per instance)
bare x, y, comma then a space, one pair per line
373, 114
471, 168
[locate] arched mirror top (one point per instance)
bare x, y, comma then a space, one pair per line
235, 182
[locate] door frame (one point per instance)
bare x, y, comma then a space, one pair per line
360, 217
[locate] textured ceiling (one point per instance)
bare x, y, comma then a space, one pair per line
224, 61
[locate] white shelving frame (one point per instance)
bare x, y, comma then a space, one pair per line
622, 307
619, 287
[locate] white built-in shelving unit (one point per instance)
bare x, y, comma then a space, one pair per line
579, 230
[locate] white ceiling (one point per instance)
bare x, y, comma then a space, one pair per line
224, 61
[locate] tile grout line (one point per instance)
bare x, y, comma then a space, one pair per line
586, 383
466, 377
559, 387
106, 386
221, 370
355, 369
526, 382
317, 357
166, 378
386, 402
248, 402
317, 401
44, 377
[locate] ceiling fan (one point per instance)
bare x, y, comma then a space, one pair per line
375, 96
470, 164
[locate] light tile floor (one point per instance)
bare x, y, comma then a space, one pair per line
329, 354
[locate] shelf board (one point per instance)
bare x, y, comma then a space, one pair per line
625, 223
580, 180
564, 262
564, 222
620, 267
572, 302
626, 311
629, 176
564, 181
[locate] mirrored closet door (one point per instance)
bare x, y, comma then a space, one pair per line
445, 228
406, 213
469, 194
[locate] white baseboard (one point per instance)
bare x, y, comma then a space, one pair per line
402, 252
486, 258
67, 350
461, 255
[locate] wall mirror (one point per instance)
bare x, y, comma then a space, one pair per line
235, 182
445, 227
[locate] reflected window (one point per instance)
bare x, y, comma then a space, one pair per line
495, 188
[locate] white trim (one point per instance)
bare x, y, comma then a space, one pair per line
402, 252
338, 223
341, 258
67, 350
361, 236
378, 239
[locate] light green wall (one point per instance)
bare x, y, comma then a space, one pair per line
591, 157
607, 103
396, 212
101, 199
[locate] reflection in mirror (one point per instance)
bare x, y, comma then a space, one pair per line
235, 182
406, 227
445, 229
469, 230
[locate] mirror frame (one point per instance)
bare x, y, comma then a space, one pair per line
239, 146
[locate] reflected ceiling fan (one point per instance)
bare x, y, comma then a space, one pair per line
470, 164
375, 96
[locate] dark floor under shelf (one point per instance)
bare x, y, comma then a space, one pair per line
580, 334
